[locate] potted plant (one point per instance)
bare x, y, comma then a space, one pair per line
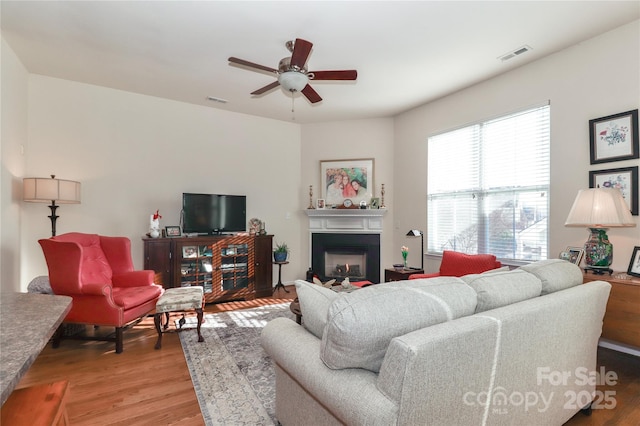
281, 252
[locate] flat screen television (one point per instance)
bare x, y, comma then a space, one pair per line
213, 213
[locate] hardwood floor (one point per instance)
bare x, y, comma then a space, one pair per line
143, 386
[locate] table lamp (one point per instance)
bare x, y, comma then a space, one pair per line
416, 233
599, 209
44, 190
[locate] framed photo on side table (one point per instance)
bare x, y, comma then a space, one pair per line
346, 179
634, 263
625, 179
575, 255
614, 138
173, 231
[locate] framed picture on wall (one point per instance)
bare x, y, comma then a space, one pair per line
346, 179
614, 138
625, 179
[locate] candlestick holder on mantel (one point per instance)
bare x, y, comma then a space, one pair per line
382, 206
311, 206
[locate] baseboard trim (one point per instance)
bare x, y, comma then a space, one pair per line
620, 347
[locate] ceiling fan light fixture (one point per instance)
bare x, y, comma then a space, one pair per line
293, 81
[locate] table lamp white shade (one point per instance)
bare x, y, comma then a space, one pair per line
600, 208
45, 190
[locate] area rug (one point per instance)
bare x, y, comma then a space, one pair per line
232, 375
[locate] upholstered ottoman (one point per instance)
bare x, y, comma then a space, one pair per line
176, 300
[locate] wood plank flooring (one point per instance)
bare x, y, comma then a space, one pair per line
143, 386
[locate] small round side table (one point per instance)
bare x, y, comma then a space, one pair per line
279, 284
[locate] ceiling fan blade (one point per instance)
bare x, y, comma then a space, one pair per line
335, 75
266, 88
251, 65
301, 51
311, 94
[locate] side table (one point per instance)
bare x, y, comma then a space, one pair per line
622, 317
392, 274
279, 284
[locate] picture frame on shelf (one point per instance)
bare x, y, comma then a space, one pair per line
634, 263
172, 231
625, 179
575, 255
320, 203
614, 137
189, 252
374, 203
346, 179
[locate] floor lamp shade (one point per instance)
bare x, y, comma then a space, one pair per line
51, 190
599, 209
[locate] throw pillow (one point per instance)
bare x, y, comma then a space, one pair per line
361, 324
314, 305
555, 274
503, 288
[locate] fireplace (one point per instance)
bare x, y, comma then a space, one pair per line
341, 255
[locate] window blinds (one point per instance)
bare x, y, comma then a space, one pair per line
488, 187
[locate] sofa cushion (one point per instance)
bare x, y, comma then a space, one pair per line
361, 324
314, 305
555, 274
501, 288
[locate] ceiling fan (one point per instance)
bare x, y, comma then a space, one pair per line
292, 73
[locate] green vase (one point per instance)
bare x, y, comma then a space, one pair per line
598, 250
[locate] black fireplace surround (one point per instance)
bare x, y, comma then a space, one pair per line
368, 244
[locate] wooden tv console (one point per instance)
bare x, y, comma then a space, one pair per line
229, 267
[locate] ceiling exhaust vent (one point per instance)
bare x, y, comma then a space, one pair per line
514, 53
214, 99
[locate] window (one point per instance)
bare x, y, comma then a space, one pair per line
488, 187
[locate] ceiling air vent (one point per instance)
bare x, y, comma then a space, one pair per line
214, 99
514, 53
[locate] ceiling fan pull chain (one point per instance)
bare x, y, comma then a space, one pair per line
293, 115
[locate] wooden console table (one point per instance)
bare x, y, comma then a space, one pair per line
29, 321
622, 317
392, 274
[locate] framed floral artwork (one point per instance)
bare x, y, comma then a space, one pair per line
346, 180
625, 179
614, 138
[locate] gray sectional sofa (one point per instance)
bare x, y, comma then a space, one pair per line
504, 348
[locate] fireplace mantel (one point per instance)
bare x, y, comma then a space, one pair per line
346, 220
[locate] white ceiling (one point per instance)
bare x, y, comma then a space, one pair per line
406, 53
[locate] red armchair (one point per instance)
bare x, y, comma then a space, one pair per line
455, 264
97, 272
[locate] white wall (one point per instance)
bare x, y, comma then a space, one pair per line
343, 140
134, 154
596, 78
13, 103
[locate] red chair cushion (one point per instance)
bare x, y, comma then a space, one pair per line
455, 264
130, 297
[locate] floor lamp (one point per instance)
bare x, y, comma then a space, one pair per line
415, 233
45, 190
